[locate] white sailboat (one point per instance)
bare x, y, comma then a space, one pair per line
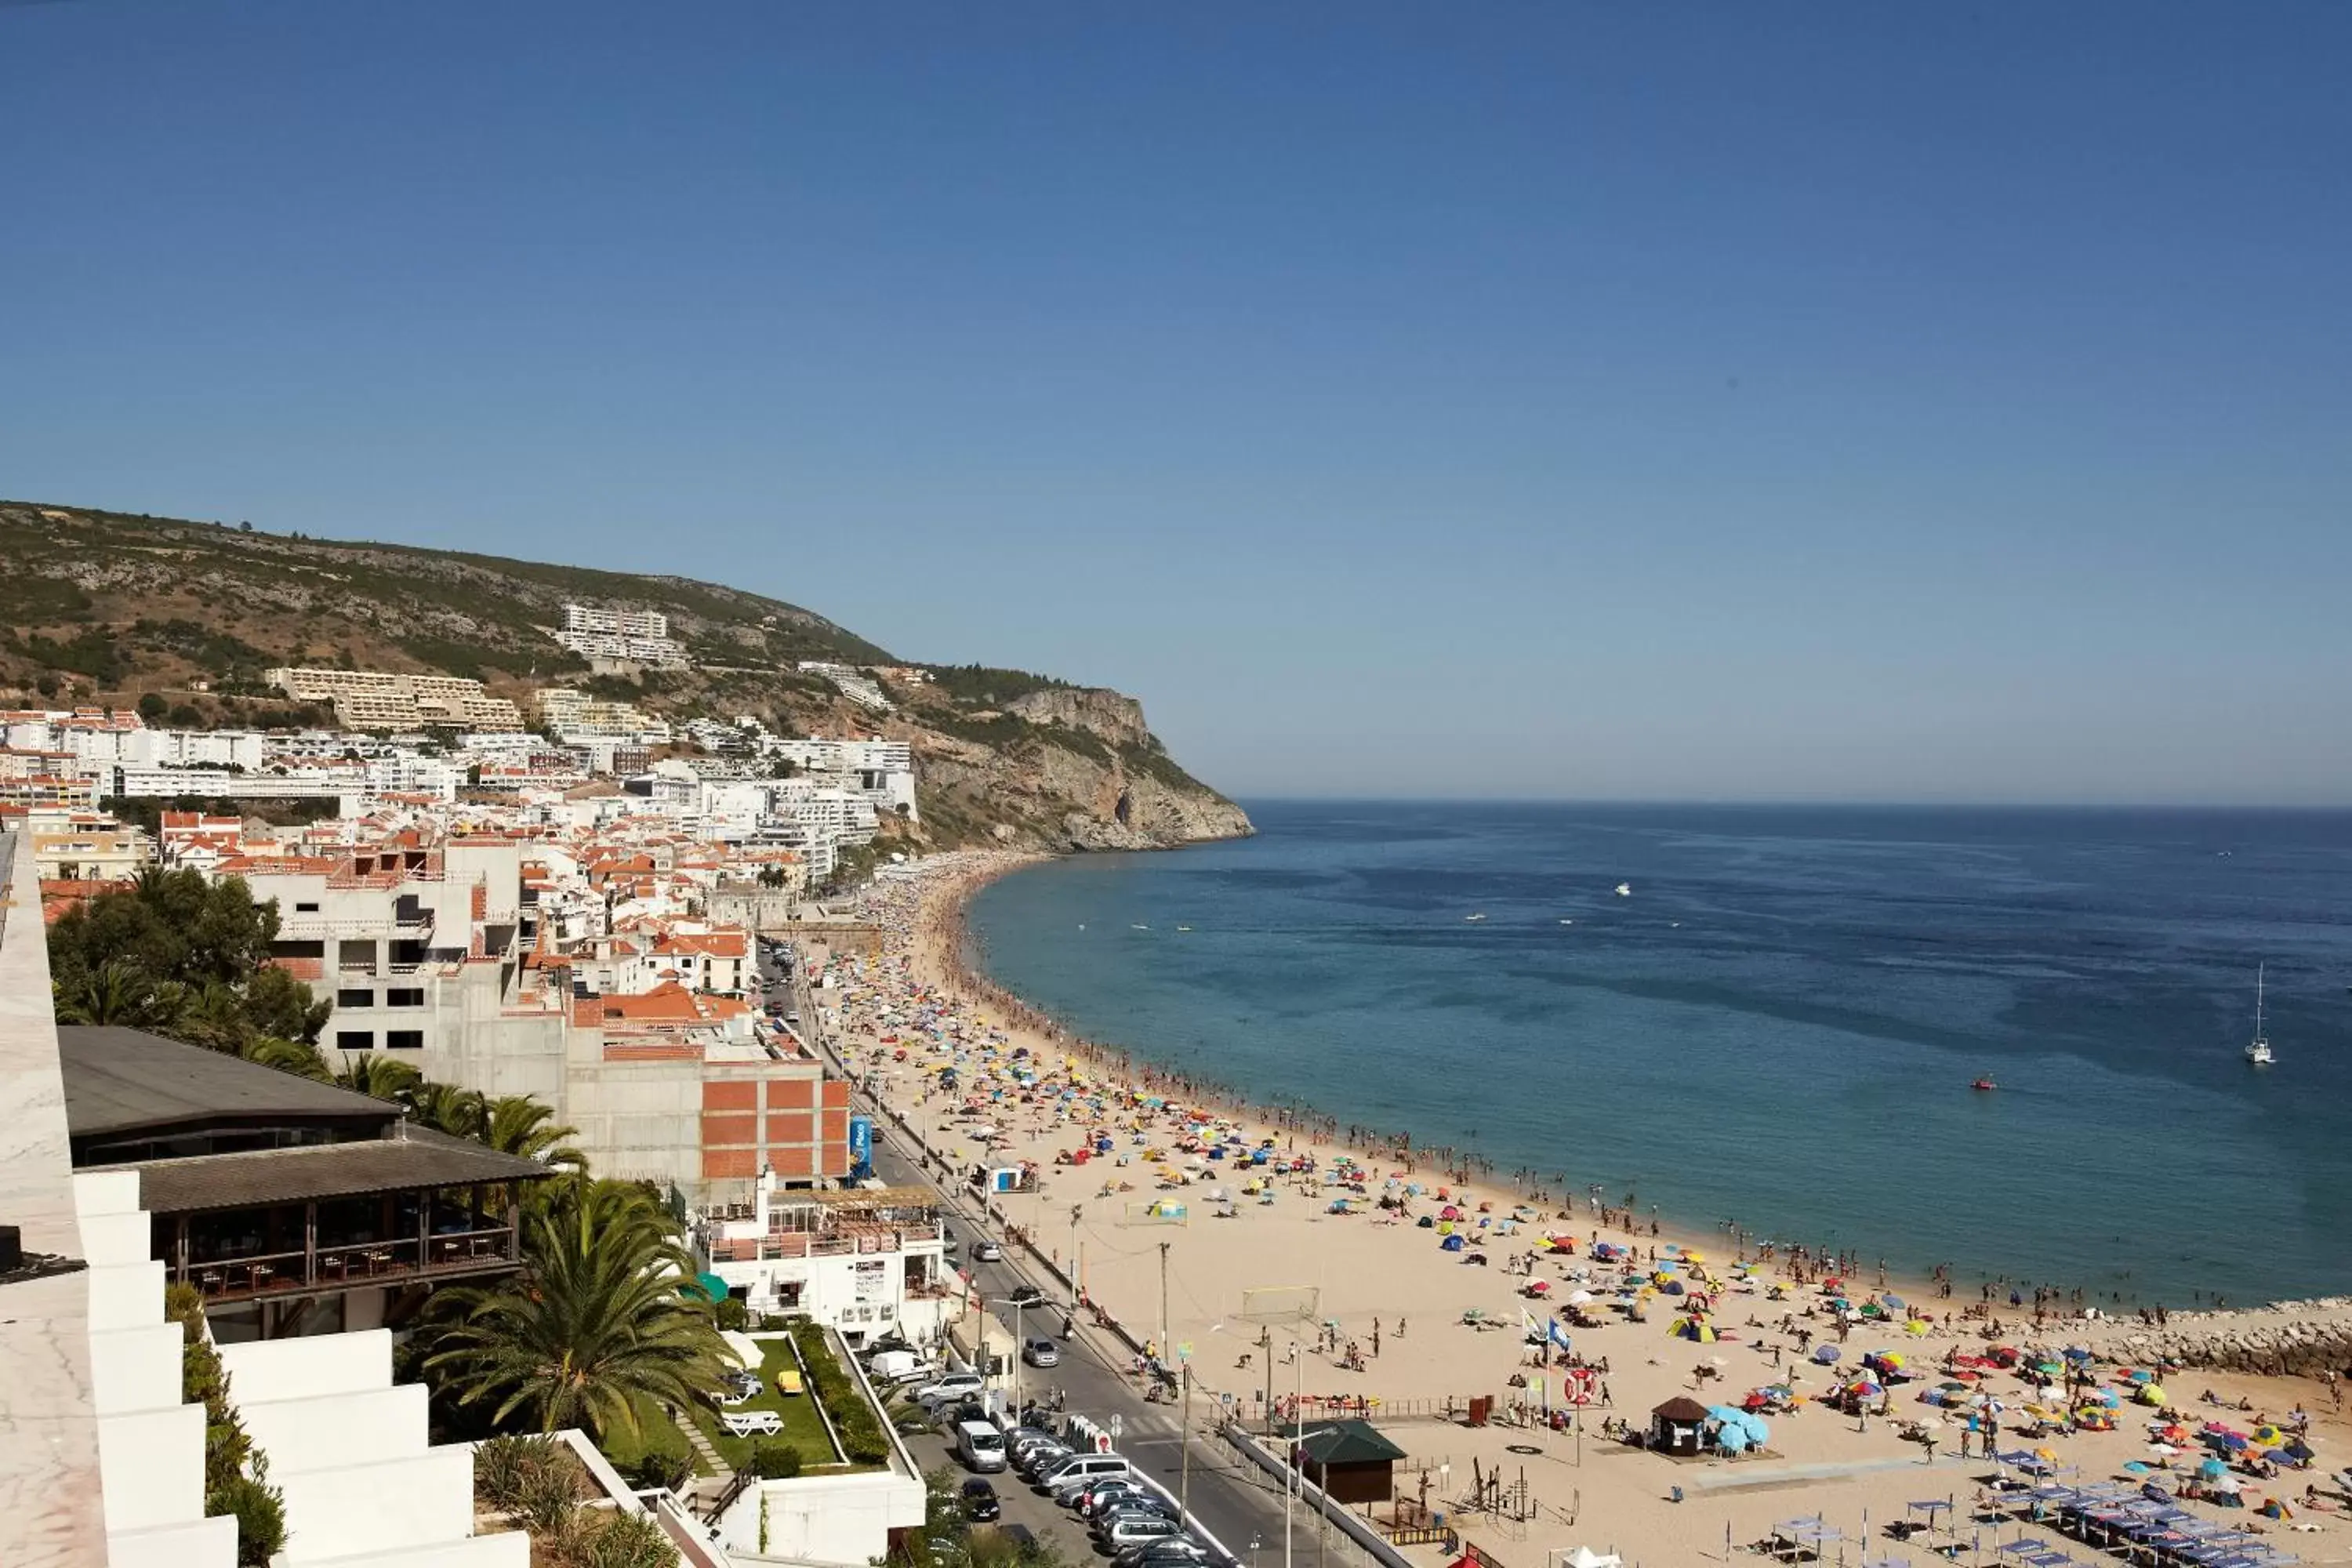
2258, 1049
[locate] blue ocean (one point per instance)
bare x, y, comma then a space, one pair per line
1778, 1025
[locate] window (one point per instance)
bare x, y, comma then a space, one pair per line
404, 1040
405, 996
355, 998
306, 909
354, 1039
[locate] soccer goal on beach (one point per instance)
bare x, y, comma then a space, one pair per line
1282, 1304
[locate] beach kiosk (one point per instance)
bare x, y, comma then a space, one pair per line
1348, 1459
1675, 1425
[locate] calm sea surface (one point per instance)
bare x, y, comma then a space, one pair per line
1779, 1025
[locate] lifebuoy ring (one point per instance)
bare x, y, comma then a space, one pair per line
1576, 1386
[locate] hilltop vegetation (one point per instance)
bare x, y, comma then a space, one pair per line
181, 619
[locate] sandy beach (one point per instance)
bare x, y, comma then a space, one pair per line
1402, 1283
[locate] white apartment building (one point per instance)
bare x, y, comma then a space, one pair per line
346, 785
571, 713
615, 623
865, 1262
850, 682
640, 637
410, 944
121, 738
379, 699
881, 771
396, 773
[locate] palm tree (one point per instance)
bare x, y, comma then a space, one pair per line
595, 1324
118, 991
289, 1056
213, 1016
445, 1106
518, 1124
377, 1077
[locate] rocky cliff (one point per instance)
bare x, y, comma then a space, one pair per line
182, 619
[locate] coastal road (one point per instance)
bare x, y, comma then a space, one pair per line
1239, 1511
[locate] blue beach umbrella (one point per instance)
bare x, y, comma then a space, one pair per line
1825, 1355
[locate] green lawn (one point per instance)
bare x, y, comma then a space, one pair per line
657, 1434
803, 1428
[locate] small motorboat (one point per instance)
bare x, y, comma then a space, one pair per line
1473, 919
1624, 889
1983, 1084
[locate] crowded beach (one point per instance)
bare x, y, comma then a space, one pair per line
1557, 1369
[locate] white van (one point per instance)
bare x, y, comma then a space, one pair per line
898, 1366
1084, 1467
980, 1446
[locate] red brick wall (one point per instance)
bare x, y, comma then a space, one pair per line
791, 1123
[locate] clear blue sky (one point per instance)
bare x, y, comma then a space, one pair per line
1733, 401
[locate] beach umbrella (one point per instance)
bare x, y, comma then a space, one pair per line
1824, 1355
2213, 1470
2268, 1436
1579, 1298
2077, 1353
1895, 1302
1864, 1388
1916, 1327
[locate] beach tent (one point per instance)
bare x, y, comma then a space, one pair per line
1585, 1557
1693, 1327
1451, 1244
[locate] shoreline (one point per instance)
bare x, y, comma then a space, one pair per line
946, 919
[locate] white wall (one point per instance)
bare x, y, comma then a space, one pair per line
307, 1367
422, 1501
824, 1519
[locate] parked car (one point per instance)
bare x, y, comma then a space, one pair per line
1171, 1552
1108, 1495
1128, 1503
987, 1252
954, 1385
1075, 1472
1038, 1350
1072, 1479
979, 1501
1128, 1529
1032, 1459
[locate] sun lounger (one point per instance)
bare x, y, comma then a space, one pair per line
752, 1423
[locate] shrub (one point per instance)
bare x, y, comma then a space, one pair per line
535, 1479
669, 1472
733, 1314
776, 1461
862, 1441
261, 1512
626, 1541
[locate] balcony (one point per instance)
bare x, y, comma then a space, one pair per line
253, 1255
